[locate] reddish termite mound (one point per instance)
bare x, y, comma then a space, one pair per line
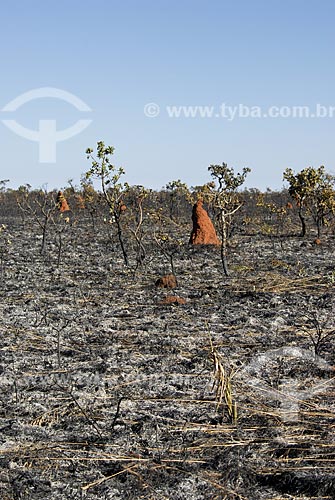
62, 203
203, 232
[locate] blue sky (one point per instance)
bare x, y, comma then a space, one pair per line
116, 56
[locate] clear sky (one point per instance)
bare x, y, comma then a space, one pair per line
119, 55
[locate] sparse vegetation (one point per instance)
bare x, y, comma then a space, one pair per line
41, 207
5, 245
112, 388
313, 191
112, 189
227, 202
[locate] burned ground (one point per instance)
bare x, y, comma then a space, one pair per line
109, 394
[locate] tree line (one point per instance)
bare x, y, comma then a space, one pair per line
135, 212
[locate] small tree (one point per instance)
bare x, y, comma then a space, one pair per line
111, 186
42, 206
178, 194
275, 214
89, 198
138, 194
313, 191
227, 201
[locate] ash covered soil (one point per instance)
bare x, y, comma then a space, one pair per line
106, 393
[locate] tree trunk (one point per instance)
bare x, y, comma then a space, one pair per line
119, 233
44, 237
224, 260
303, 223
60, 244
224, 237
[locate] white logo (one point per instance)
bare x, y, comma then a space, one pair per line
47, 134
288, 391
151, 110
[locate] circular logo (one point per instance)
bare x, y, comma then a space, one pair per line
289, 375
151, 110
